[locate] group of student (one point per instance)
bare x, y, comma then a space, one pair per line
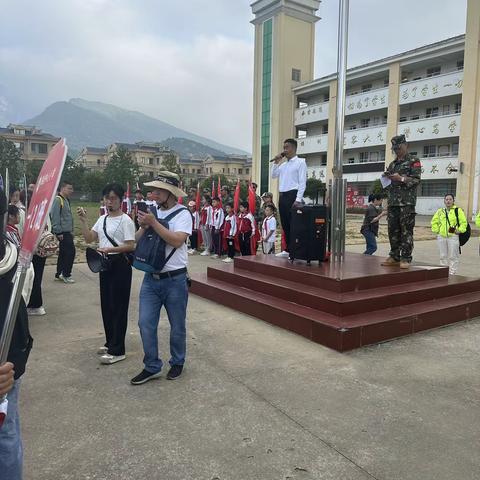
223, 231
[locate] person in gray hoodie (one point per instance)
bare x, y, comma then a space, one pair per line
62, 228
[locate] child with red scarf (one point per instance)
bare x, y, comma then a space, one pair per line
246, 229
229, 232
217, 227
269, 229
206, 223
192, 207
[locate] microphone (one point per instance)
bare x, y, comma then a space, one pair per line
282, 154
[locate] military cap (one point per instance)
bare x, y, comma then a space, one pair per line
398, 140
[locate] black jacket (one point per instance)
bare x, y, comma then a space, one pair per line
21, 339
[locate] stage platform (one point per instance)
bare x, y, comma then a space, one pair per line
359, 304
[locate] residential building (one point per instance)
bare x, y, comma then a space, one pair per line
31, 142
430, 94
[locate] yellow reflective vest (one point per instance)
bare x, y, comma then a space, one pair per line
440, 223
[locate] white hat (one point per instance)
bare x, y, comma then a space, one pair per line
167, 181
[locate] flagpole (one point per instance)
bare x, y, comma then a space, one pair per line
339, 183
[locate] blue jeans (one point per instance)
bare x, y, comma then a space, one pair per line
11, 450
173, 294
371, 240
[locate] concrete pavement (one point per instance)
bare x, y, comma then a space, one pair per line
255, 402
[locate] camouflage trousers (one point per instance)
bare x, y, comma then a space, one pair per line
401, 221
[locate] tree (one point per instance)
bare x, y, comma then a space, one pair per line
121, 168
170, 164
207, 184
376, 187
10, 158
314, 189
32, 170
74, 172
93, 183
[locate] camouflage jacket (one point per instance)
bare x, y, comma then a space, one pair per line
401, 194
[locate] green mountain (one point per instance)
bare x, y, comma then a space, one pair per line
95, 124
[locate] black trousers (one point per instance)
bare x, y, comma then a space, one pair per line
244, 240
217, 241
231, 247
66, 255
36, 300
287, 199
115, 288
194, 239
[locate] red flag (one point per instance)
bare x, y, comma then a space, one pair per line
236, 197
197, 198
180, 199
219, 191
252, 199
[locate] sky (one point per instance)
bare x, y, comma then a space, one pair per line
188, 63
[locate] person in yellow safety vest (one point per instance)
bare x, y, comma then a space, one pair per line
448, 223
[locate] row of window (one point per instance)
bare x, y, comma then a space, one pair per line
41, 148
435, 112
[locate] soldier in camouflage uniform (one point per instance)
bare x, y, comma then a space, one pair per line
404, 173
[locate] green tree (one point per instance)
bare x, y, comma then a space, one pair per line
74, 172
10, 158
169, 163
32, 170
376, 187
93, 183
315, 188
121, 168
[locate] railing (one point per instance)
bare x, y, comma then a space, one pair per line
420, 117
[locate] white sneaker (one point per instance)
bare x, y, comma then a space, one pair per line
227, 260
214, 255
68, 279
205, 253
108, 359
36, 311
59, 278
102, 351
282, 254
191, 251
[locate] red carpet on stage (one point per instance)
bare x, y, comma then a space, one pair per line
360, 304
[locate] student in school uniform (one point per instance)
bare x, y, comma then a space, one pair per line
217, 227
229, 232
192, 207
269, 229
246, 229
206, 223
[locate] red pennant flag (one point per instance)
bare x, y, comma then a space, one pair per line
219, 191
197, 198
236, 197
252, 199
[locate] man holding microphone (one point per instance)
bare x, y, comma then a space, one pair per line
292, 180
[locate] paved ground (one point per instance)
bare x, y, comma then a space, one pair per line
256, 402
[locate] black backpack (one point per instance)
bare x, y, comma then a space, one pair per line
149, 253
463, 237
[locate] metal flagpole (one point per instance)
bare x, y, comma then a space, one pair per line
339, 184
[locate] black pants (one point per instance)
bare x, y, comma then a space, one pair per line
245, 247
114, 297
230, 247
217, 241
66, 255
36, 300
194, 240
287, 199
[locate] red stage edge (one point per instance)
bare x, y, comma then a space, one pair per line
361, 304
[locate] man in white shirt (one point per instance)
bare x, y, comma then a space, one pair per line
169, 286
292, 180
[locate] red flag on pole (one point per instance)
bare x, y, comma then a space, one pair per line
236, 197
219, 191
252, 199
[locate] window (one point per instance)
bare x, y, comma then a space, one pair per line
444, 150
446, 110
150, 161
364, 156
326, 97
325, 129
364, 122
385, 82
240, 171
366, 87
351, 160
18, 131
458, 108
384, 119
39, 148
417, 78
183, 170
431, 72
352, 127
20, 146
98, 161
376, 121
430, 151
228, 170
247, 171
437, 188
455, 150
432, 112
296, 74
223, 170
323, 160
158, 161
199, 171
374, 156
460, 64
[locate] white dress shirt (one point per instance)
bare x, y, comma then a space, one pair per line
292, 175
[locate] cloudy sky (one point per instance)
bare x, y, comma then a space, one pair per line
189, 63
